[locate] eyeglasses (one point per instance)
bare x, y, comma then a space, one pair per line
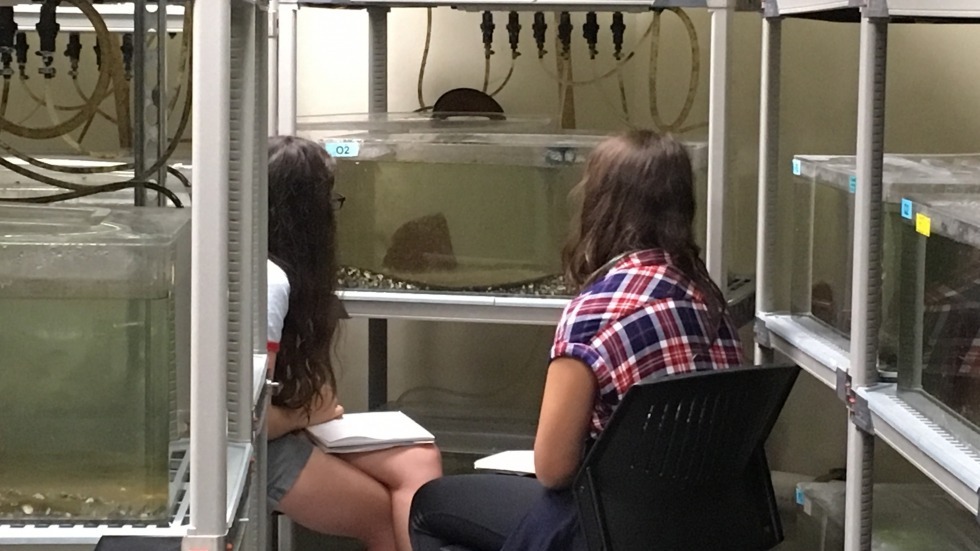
337, 201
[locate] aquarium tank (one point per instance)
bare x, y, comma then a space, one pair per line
940, 311
94, 332
460, 209
821, 251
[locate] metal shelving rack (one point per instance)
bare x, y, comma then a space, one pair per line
849, 366
224, 502
378, 307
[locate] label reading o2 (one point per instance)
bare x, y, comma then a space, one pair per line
343, 149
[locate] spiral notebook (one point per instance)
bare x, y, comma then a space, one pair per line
376, 430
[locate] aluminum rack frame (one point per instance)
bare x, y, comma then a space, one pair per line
865, 419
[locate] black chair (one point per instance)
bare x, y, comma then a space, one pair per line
681, 465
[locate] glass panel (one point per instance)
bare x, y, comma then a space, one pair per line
92, 303
941, 316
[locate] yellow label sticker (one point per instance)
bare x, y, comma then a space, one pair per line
923, 224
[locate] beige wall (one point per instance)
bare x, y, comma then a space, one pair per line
932, 108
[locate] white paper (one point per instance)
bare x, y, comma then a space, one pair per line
512, 461
369, 431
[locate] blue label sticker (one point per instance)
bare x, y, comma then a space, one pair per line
852, 183
799, 496
906, 209
797, 167
343, 149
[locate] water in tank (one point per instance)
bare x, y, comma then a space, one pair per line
94, 330
461, 210
940, 312
823, 197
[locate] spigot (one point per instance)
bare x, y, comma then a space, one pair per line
127, 54
47, 31
618, 30
8, 32
539, 28
487, 27
590, 31
513, 33
74, 53
565, 33
21, 48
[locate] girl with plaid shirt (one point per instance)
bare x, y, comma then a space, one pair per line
646, 307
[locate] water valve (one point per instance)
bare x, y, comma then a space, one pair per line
539, 28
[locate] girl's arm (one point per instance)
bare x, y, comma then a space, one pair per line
563, 426
280, 420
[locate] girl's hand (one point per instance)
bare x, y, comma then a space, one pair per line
327, 408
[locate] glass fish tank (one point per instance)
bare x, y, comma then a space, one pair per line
94, 331
823, 233
461, 210
940, 313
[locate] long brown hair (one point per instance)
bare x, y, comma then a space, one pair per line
302, 241
638, 193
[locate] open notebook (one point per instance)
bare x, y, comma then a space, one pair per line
376, 430
511, 461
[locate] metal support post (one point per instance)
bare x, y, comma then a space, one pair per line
139, 95
273, 67
721, 23
260, 252
377, 363
243, 116
866, 277
159, 101
378, 60
768, 175
260, 167
149, 94
377, 103
286, 81
209, 271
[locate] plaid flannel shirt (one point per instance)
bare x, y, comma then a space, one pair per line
643, 318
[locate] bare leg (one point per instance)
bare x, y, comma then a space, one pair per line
333, 497
403, 470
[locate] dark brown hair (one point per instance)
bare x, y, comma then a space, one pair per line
638, 193
302, 241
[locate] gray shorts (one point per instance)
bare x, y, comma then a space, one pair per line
288, 455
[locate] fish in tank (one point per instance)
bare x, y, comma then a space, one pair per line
95, 309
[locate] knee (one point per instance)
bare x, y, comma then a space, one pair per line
423, 463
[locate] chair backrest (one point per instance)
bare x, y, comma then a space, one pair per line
681, 464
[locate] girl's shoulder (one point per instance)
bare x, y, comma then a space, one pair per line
276, 276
